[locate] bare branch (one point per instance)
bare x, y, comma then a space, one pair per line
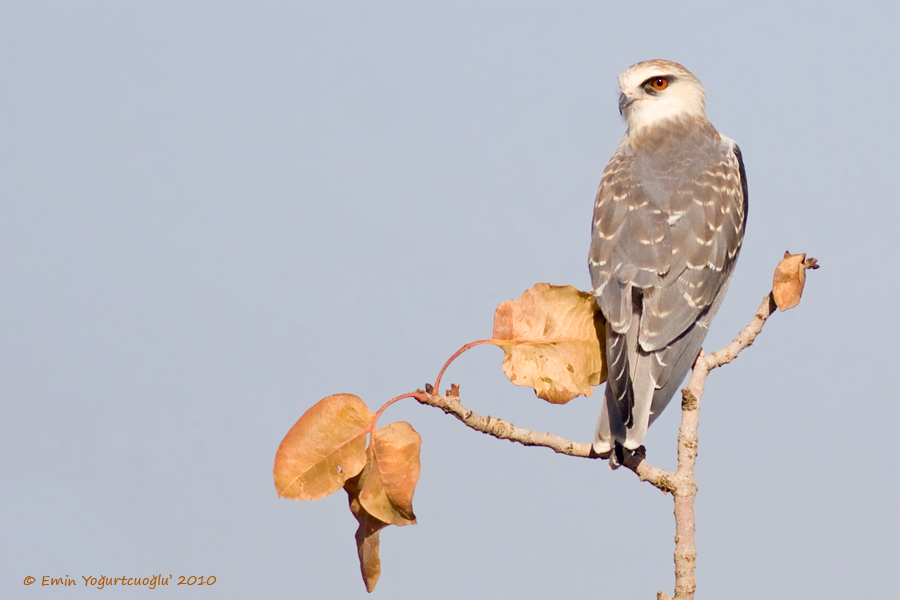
504, 430
744, 339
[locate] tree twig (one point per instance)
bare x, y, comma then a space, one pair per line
504, 430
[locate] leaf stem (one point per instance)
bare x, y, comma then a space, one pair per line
371, 428
437, 382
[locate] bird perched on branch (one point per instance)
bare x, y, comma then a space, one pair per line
668, 224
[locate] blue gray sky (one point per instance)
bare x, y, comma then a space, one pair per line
215, 214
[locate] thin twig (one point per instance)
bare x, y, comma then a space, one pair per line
745, 338
504, 430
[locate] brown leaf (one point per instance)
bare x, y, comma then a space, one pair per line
790, 277
323, 449
382, 493
391, 473
367, 535
553, 337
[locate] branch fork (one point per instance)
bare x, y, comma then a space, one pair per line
680, 484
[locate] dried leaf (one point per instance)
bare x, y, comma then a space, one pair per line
553, 338
367, 535
382, 493
790, 277
391, 473
325, 448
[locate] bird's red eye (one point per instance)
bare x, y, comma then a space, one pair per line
660, 83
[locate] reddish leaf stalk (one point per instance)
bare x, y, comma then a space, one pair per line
371, 428
437, 382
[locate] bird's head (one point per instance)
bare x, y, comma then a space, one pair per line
654, 91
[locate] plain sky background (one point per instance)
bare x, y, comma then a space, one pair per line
215, 214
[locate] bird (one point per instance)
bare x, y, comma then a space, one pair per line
668, 224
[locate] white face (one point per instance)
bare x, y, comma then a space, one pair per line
658, 90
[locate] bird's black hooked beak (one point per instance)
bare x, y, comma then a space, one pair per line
624, 102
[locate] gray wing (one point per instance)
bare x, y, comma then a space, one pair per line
664, 243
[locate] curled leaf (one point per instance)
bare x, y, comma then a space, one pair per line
381, 494
391, 473
325, 448
368, 535
553, 340
790, 277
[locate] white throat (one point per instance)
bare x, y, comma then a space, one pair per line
646, 113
